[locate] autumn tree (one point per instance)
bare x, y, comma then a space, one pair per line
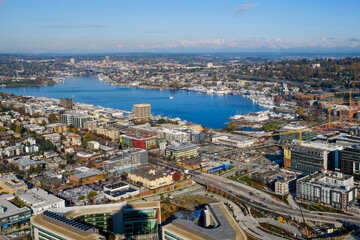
176, 176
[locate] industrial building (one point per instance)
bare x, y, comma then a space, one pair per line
330, 188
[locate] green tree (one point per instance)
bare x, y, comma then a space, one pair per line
91, 195
81, 198
232, 127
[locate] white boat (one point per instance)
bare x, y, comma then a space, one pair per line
171, 97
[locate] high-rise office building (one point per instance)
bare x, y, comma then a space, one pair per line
142, 111
72, 60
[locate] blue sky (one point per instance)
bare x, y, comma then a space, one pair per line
101, 26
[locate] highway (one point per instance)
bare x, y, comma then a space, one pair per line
265, 202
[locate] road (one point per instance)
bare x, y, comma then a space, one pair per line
265, 202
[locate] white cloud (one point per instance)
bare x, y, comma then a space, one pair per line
245, 8
120, 46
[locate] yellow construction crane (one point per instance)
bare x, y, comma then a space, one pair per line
350, 103
289, 132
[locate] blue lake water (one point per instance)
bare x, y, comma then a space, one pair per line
208, 110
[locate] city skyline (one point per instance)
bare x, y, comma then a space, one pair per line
183, 26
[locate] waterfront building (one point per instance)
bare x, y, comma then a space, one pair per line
142, 111
305, 159
330, 188
93, 222
219, 224
39, 200
150, 177
10, 183
10, 214
181, 151
350, 162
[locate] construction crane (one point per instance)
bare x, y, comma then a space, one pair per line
289, 132
350, 103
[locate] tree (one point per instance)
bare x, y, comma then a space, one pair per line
162, 197
176, 176
232, 127
185, 176
300, 111
81, 198
91, 195
18, 129
52, 118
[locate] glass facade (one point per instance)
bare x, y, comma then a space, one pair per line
102, 221
140, 222
172, 236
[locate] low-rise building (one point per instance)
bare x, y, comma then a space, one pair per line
93, 145
284, 185
118, 191
11, 214
10, 183
86, 175
39, 200
128, 160
331, 188
150, 177
181, 151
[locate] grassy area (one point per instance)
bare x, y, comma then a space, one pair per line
319, 208
256, 214
280, 197
248, 181
272, 229
29, 83
168, 210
